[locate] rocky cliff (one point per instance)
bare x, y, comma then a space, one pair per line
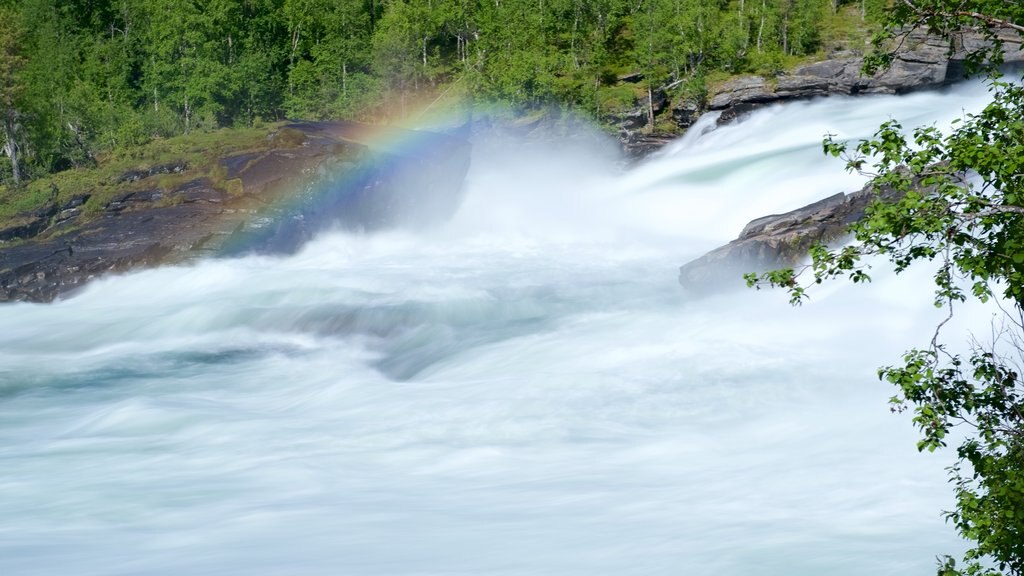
311, 176
921, 62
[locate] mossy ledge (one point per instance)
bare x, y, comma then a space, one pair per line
219, 194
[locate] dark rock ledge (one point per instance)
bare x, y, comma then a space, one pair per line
327, 174
778, 241
923, 62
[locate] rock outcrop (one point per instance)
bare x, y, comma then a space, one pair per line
778, 241
328, 174
923, 62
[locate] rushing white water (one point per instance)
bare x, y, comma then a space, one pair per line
524, 391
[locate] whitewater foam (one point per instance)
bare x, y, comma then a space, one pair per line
523, 391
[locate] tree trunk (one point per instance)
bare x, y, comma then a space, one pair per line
188, 116
650, 106
296, 34
575, 29
785, 34
739, 21
760, 30
291, 57
11, 149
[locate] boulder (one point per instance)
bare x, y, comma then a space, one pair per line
743, 89
686, 113
778, 240
636, 145
801, 85
629, 120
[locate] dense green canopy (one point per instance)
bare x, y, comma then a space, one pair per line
79, 78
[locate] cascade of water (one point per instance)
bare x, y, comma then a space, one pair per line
523, 391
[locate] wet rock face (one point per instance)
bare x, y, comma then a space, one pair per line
341, 174
778, 241
114, 242
686, 113
924, 62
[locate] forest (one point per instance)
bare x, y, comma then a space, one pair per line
83, 78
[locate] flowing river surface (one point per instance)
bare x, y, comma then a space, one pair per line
525, 390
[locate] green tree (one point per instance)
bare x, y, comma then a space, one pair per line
57, 102
191, 59
655, 51
962, 207
11, 64
260, 63
399, 44
329, 58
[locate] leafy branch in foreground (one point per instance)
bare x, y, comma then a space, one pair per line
956, 200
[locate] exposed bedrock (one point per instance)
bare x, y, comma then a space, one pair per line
922, 62
778, 241
329, 174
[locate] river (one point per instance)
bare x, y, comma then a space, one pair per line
525, 390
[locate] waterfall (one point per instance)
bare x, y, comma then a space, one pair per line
524, 390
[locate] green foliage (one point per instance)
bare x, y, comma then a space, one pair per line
616, 98
103, 76
11, 90
198, 151
19, 204
329, 57
956, 200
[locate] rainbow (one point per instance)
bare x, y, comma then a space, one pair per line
356, 176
